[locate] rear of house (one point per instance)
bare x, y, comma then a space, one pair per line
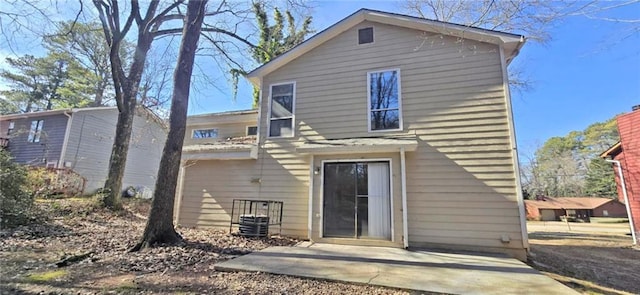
81, 140
382, 130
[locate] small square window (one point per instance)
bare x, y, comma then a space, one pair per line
252, 130
204, 133
365, 36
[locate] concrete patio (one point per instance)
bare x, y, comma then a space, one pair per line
415, 270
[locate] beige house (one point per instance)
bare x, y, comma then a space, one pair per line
383, 130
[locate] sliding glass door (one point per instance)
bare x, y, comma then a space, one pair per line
357, 200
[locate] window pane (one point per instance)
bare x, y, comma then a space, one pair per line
384, 90
362, 180
281, 127
365, 35
205, 133
282, 90
281, 106
252, 130
381, 120
35, 131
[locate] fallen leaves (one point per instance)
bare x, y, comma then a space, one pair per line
111, 268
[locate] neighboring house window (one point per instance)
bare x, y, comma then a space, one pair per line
281, 113
204, 133
365, 36
35, 131
252, 130
12, 125
385, 112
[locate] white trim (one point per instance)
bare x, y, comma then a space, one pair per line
239, 154
405, 214
311, 177
369, 110
391, 195
193, 131
259, 119
65, 141
514, 151
293, 110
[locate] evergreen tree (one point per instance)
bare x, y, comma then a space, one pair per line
273, 42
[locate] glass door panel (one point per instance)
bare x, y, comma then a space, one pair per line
356, 200
339, 200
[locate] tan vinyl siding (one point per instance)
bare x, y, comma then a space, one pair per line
461, 187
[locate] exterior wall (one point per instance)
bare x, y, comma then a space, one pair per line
613, 208
209, 189
38, 153
91, 140
630, 161
461, 184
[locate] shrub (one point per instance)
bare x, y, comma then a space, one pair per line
48, 182
16, 202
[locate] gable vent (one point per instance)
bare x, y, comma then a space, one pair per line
365, 35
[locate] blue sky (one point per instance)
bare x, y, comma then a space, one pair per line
587, 73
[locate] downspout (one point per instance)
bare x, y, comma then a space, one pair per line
311, 176
514, 151
403, 182
626, 199
65, 141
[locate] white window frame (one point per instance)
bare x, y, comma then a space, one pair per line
293, 111
34, 135
193, 132
247, 130
350, 160
369, 110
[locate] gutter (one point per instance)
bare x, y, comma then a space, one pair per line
65, 142
626, 199
514, 152
405, 225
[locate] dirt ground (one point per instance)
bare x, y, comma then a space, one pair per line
76, 227
593, 262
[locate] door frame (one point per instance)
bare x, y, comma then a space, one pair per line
355, 160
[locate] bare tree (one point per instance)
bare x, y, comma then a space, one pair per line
156, 22
159, 228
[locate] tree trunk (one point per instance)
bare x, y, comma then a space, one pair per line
159, 228
124, 126
118, 160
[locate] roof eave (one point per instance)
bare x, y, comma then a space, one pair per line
612, 151
513, 43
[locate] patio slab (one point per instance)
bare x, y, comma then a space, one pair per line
431, 271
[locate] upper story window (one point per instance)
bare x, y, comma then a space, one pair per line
281, 111
385, 104
12, 125
204, 133
365, 35
252, 130
35, 131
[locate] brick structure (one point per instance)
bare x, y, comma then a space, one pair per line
627, 152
